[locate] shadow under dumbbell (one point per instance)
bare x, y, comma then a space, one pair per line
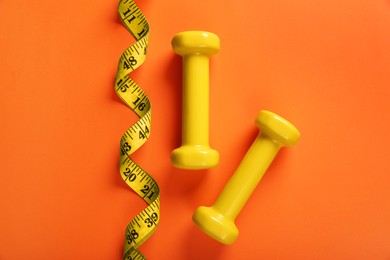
181, 183
185, 184
173, 76
201, 246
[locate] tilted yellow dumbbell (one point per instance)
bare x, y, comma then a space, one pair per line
218, 220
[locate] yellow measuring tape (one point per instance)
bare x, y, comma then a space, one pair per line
143, 225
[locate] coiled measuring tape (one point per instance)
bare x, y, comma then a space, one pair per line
144, 224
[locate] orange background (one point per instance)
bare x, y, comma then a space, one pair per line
323, 65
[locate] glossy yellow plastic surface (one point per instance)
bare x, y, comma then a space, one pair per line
218, 220
195, 47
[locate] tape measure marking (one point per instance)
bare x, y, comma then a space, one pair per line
144, 224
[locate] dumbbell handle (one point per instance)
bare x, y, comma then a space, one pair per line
195, 106
246, 177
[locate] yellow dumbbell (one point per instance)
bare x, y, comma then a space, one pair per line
195, 47
218, 220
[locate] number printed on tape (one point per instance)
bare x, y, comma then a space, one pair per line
144, 224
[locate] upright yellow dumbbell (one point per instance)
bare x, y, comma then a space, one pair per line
195, 47
218, 220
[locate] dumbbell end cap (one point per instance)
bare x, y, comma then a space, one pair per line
215, 225
194, 157
277, 128
195, 42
